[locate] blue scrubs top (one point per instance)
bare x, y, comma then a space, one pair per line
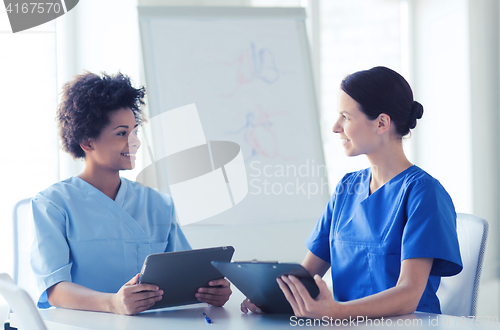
365, 237
85, 237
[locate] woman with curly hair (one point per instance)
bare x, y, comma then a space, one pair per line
94, 230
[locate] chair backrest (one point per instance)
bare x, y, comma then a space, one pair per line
24, 233
458, 294
21, 304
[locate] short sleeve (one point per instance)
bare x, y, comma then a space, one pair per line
318, 241
50, 253
430, 231
177, 241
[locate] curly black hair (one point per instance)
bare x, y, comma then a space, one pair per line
87, 101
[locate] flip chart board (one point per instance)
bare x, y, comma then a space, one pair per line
248, 71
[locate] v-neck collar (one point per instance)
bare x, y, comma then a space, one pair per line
98, 193
396, 177
122, 192
115, 206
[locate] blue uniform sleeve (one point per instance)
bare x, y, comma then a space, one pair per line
430, 231
318, 241
50, 254
177, 241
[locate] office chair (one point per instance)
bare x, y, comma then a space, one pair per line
458, 294
21, 304
23, 231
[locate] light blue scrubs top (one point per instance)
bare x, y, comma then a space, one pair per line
85, 237
365, 237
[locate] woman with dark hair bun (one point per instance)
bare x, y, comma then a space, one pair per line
388, 232
93, 231
382, 90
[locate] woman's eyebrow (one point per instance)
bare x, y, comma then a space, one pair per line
124, 126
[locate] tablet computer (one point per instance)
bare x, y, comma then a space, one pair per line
180, 274
257, 281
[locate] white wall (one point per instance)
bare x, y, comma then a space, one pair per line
455, 75
276, 242
484, 102
440, 72
28, 161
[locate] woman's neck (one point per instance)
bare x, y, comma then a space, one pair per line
106, 181
386, 164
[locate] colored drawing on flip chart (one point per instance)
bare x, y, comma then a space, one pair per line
253, 64
260, 135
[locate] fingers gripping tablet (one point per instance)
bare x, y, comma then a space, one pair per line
257, 280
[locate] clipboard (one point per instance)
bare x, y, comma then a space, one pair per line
180, 274
257, 281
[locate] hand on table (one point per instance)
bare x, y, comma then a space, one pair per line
217, 294
301, 301
133, 298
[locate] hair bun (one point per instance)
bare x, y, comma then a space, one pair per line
417, 110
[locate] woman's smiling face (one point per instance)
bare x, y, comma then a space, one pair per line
117, 145
357, 133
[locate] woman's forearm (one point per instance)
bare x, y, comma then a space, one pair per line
74, 296
315, 265
399, 300
132, 298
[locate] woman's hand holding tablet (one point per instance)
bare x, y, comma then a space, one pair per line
301, 301
257, 281
217, 294
133, 298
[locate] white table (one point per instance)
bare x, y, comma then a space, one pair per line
230, 317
